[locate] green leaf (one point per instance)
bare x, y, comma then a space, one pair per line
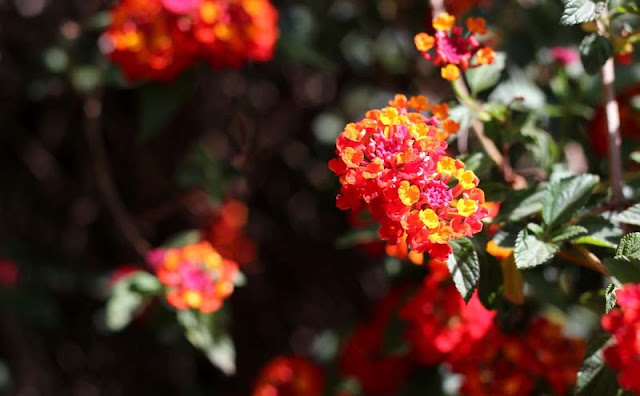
595, 377
160, 102
600, 232
566, 233
486, 76
610, 297
629, 246
127, 297
464, 267
208, 333
531, 252
564, 198
629, 216
580, 11
594, 52
519, 92
520, 204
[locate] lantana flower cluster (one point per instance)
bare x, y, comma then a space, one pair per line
451, 48
624, 324
158, 39
289, 376
196, 276
394, 163
518, 364
439, 321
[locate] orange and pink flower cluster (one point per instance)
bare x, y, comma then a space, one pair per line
451, 48
196, 276
394, 163
624, 323
158, 39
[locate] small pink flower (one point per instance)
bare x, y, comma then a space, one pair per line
565, 55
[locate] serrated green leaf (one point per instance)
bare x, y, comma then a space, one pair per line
594, 52
580, 11
464, 267
564, 198
531, 251
486, 76
629, 216
610, 297
566, 233
629, 246
595, 377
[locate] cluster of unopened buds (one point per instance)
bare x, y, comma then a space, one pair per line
196, 276
453, 50
394, 163
158, 39
623, 355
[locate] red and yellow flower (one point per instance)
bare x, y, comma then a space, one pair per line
451, 48
393, 163
196, 276
158, 39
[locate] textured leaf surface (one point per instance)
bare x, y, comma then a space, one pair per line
580, 11
565, 197
464, 266
531, 251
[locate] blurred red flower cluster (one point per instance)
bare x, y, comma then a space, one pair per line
394, 163
158, 39
289, 376
624, 323
441, 328
363, 355
196, 276
226, 232
439, 322
516, 364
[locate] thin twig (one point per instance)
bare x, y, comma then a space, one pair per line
613, 123
106, 186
